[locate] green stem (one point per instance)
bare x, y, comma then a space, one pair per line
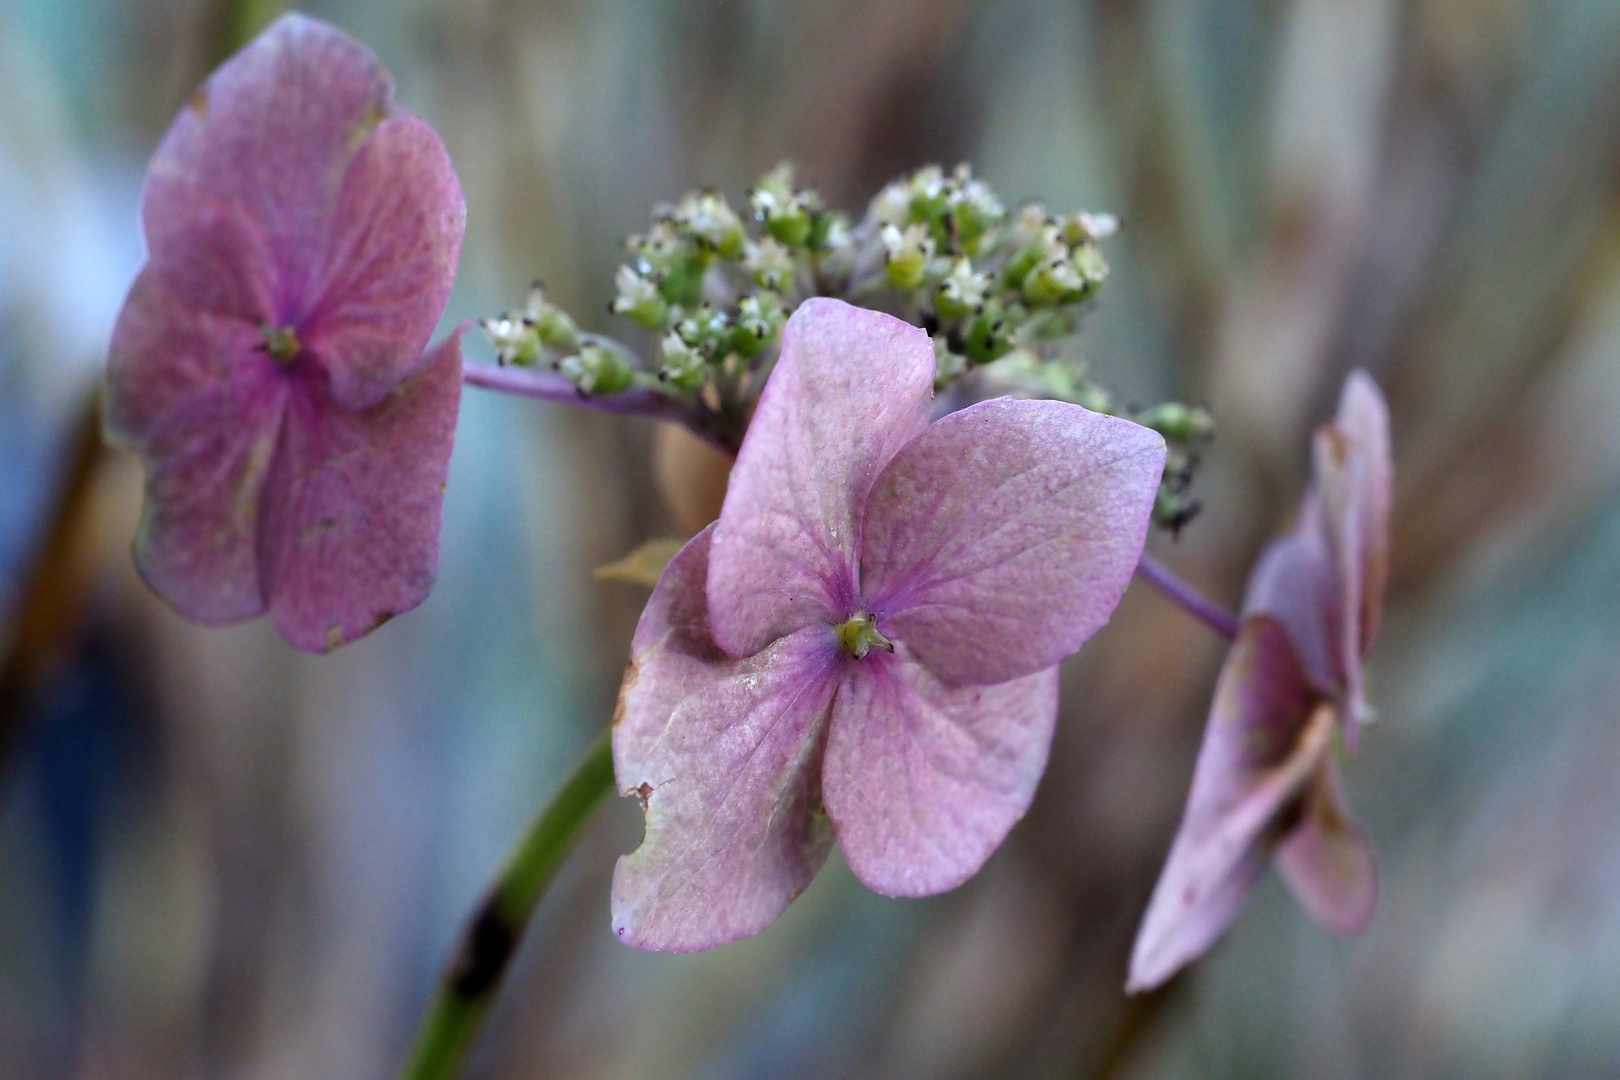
492, 937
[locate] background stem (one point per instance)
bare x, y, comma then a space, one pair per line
492, 937
1186, 597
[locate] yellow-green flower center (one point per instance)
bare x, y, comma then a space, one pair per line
281, 343
859, 636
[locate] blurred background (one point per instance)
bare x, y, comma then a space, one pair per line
219, 858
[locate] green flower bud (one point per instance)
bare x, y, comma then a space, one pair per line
682, 365
962, 292
829, 232
910, 255
1089, 261
928, 196
553, 325
892, 205
708, 220
990, 336
707, 331
759, 320
1080, 227
1178, 422
1173, 510
771, 264
787, 213
974, 210
1055, 280
675, 262
1033, 225
640, 299
1025, 260
596, 370
515, 340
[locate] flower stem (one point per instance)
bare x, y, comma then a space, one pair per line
492, 937
637, 401
1186, 597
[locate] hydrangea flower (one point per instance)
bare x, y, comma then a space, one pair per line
268, 363
1267, 780
865, 643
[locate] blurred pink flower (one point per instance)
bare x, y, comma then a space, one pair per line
868, 634
1267, 782
268, 363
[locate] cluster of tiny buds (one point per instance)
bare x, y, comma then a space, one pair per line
985, 283
997, 291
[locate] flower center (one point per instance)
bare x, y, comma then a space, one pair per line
281, 343
859, 636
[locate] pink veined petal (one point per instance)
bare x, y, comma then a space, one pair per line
923, 780
851, 388
671, 656
212, 257
1326, 860
164, 353
392, 260
726, 758
271, 133
199, 400
1001, 538
1268, 735
351, 510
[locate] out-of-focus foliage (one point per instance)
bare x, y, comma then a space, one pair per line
220, 858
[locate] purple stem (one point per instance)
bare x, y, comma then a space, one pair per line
1187, 598
544, 385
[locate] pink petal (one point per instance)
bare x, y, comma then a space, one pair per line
851, 388
400, 219
672, 654
1266, 739
269, 136
1363, 420
726, 757
199, 400
1296, 582
351, 510
1353, 476
923, 780
1326, 860
214, 258
1002, 538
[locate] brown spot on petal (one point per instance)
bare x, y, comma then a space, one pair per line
198, 102
375, 115
643, 792
334, 636
632, 671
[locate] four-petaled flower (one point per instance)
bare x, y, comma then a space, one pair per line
868, 634
268, 364
1267, 782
